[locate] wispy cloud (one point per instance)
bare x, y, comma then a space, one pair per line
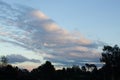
33, 30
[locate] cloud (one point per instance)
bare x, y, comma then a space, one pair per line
33, 30
13, 58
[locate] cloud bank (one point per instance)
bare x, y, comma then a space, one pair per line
31, 29
13, 58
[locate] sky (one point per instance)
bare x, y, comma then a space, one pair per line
65, 32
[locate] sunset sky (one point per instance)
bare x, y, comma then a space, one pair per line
65, 32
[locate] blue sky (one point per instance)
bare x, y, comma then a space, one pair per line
62, 31
92, 18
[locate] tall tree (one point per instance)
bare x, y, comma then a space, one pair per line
111, 56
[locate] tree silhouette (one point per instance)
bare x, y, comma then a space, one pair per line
90, 67
48, 70
3, 60
83, 68
87, 66
111, 56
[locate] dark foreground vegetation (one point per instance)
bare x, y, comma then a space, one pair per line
109, 71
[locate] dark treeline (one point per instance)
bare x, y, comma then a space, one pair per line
109, 71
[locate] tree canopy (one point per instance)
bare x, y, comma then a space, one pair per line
111, 56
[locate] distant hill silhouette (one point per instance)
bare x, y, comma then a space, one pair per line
109, 71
